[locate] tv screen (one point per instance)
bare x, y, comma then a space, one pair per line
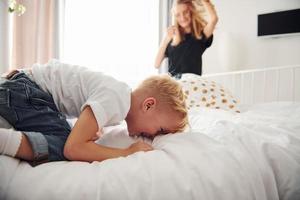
283, 22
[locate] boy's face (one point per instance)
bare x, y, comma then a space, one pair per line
151, 121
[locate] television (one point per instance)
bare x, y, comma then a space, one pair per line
279, 23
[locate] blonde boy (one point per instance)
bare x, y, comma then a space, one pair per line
36, 101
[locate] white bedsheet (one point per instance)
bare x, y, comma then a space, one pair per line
252, 155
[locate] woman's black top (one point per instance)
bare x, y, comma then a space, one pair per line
186, 57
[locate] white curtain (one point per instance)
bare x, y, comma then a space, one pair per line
164, 21
4, 36
34, 37
36, 34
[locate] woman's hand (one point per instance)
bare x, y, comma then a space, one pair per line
171, 31
139, 146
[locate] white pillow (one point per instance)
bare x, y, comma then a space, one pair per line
203, 119
201, 92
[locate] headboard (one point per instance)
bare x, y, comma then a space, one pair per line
262, 85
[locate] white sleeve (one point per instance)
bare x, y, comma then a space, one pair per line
110, 107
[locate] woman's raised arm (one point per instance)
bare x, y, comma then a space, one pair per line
213, 18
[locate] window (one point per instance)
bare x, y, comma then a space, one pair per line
119, 38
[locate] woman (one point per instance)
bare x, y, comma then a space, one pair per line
189, 37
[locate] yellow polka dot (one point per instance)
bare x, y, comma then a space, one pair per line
203, 99
195, 88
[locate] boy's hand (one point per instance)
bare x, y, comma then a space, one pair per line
139, 146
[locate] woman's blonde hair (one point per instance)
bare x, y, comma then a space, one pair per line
169, 94
198, 18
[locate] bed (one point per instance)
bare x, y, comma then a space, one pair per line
250, 154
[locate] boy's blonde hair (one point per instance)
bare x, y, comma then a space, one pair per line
169, 94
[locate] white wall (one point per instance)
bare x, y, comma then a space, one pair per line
236, 45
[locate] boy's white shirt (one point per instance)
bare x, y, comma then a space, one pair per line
74, 87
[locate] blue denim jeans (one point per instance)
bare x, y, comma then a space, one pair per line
32, 111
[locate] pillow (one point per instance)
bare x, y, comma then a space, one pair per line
201, 92
204, 119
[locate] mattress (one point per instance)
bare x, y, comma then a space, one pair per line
250, 155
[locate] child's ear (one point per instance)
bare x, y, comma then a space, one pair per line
149, 104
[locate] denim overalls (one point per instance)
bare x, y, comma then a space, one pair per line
32, 111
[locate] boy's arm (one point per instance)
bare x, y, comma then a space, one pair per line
81, 147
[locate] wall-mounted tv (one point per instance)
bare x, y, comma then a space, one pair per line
277, 23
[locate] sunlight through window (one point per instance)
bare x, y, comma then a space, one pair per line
119, 38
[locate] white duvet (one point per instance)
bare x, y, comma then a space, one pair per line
252, 155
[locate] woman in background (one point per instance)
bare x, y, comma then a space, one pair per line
189, 36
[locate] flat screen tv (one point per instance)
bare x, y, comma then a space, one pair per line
278, 23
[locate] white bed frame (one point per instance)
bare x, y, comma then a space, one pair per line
262, 85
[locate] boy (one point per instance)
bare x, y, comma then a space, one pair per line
36, 101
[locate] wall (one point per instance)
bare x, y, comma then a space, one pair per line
236, 45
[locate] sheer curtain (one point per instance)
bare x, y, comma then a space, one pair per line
164, 22
32, 37
36, 34
117, 37
4, 36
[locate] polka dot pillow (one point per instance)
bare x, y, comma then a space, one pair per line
201, 92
